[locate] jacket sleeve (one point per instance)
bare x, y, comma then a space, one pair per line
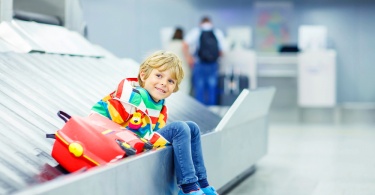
119, 105
162, 120
102, 105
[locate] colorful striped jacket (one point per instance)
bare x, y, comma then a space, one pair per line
125, 101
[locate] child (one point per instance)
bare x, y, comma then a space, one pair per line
159, 76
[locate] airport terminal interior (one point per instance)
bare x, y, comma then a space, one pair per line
314, 157
296, 103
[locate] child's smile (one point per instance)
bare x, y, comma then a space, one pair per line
159, 84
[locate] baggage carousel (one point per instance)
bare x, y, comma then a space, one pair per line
34, 86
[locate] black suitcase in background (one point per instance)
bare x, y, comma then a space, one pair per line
230, 86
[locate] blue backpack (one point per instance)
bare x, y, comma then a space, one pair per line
208, 47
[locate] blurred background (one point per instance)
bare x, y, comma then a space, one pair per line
134, 28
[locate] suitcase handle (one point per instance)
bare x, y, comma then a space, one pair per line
63, 115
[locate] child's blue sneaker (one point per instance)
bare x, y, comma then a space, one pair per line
209, 190
198, 192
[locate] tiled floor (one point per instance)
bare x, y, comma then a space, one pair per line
307, 159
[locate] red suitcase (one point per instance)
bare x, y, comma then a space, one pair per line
86, 142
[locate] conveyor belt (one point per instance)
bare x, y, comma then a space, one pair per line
33, 87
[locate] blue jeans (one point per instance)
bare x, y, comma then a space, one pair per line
186, 142
205, 80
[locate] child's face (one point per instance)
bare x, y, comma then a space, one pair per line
159, 85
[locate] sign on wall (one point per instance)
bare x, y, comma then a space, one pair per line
273, 20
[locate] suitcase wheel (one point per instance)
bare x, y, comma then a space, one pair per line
148, 145
129, 150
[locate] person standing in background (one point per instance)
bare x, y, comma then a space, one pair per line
178, 46
206, 44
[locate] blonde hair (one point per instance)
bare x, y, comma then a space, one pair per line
162, 60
